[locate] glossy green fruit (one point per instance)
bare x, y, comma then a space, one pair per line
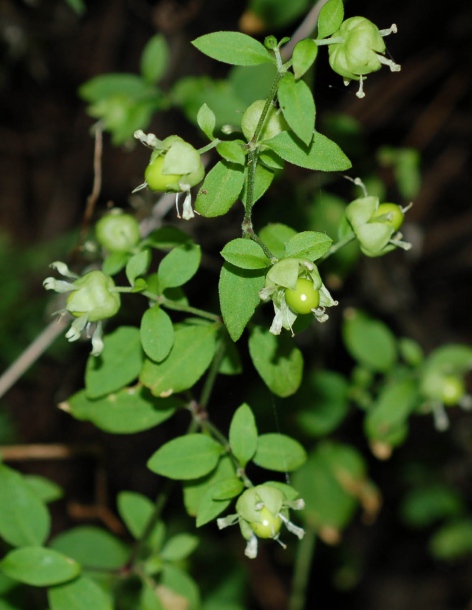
269, 526
391, 214
452, 390
117, 232
156, 180
304, 298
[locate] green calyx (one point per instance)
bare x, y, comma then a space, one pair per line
93, 296
117, 232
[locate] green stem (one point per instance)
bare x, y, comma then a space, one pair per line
301, 574
333, 40
340, 244
212, 375
209, 146
175, 306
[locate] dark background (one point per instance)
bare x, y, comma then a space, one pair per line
46, 175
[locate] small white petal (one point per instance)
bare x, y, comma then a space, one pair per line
50, 283
227, 521
63, 269
251, 547
299, 532
97, 340
187, 211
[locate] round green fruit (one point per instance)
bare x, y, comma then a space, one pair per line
269, 526
117, 232
391, 214
452, 390
156, 180
94, 297
304, 298
274, 122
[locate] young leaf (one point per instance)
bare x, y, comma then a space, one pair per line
304, 56
243, 434
227, 489
92, 547
157, 333
40, 567
369, 341
196, 490
279, 452
322, 154
239, 297
298, 106
186, 457
118, 364
155, 59
233, 48
179, 266
277, 360
232, 151
83, 593
46, 490
275, 236
206, 120
220, 189
245, 254
128, 411
138, 265
24, 519
191, 355
179, 547
136, 511
331, 17
182, 586
308, 244
209, 508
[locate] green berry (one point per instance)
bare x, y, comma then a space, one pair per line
304, 298
452, 390
274, 122
156, 180
117, 232
269, 525
391, 214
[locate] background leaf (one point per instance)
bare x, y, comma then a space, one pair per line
37, 566
369, 341
233, 48
155, 59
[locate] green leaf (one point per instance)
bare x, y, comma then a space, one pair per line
304, 56
149, 598
232, 151
178, 581
138, 265
166, 238
24, 519
277, 360
78, 6
227, 489
233, 48
157, 333
279, 452
206, 120
46, 490
117, 366
179, 266
179, 547
308, 244
369, 341
322, 154
453, 541
239, 297
128, 411
298, 106
245, 254
40, 567
331, 17
262, 181
136, 511
115, 84
186, 457
426, 505
92, 547
243, 434
194, 347
198, 493
155, 59
220, 189
275, 236
81, 594
231, 362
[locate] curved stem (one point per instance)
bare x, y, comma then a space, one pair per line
212, 374
209, 146
175, 306
301, 574
340, 244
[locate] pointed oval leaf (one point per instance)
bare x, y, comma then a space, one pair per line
179, 547
232, 151
197, 489
275, 236
46, 490
322, 154
298, 106
369, 341
221, 188
136, 511
194, 347
24, 519
155, 59
206, 120
233, 48
279, 452
239, 297
304, 56
308, 244
38, 566
186, 457
138, 265
157, 333
81, 594
245, 253
277, 360
179, 266
243, 434
117, 366
331, 17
